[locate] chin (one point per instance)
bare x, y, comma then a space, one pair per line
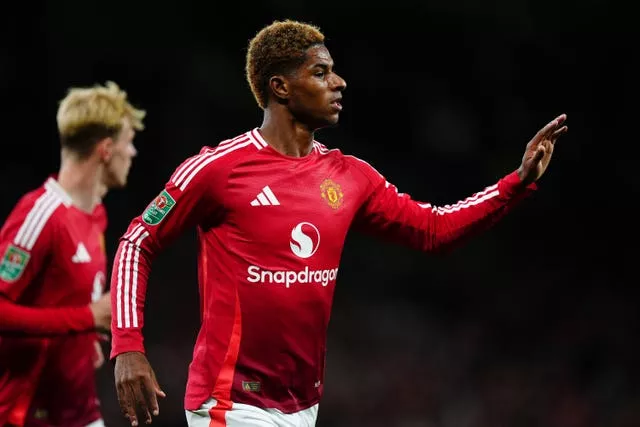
328, 122
121, 183
334, 117
117, 183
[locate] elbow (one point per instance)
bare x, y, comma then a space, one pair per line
442, 244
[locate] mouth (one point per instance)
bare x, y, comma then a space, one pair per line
337, 104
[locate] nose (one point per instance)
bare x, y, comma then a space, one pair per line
133, 151
339, 83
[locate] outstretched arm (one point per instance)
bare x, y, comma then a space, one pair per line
396, 217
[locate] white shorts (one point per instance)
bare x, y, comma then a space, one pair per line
241, 415
97, 423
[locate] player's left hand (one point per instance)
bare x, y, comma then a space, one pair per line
538, 153
98, 357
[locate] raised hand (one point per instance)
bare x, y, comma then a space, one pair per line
539, 150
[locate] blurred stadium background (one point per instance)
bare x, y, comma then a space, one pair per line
532, 324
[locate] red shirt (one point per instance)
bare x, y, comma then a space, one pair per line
271, 232
53, 256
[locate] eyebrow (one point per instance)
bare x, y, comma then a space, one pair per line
322, 65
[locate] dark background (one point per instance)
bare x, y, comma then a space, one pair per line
534, 323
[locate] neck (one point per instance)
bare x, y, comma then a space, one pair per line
285, 134
82, 180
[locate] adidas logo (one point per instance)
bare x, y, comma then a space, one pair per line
81, 255
265, 198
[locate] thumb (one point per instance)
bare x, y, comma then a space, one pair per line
539, 154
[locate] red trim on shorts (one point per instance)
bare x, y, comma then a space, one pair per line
218, 412
222, 389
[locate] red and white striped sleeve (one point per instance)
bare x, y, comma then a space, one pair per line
395, 216
27, 240
193, 195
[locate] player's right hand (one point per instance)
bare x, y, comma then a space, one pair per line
137, 387
101, 310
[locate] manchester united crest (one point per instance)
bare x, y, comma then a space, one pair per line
332, 193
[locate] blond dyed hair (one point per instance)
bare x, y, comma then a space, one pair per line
87, 115
278, 48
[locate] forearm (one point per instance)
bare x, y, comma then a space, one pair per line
455, 224
131, 268
23, 320
426, 227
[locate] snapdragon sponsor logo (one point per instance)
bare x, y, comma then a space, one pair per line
305, 240
289, 278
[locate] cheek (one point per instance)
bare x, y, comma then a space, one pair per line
309, 93
121, 157
308, 102
116, 163
315, 93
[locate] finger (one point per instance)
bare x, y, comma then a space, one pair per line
553, 126
137, 390
546, 130
127, 405
558, 133
551, 129
149, 390
103, 337
157, 388
561, 119
557, 121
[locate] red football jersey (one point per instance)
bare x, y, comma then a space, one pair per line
53, 256
271, 231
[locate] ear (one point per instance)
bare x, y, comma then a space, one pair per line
104, 148
280, 87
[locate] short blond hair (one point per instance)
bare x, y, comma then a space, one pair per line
278, 48
87, 115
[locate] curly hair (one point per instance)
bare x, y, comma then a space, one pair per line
278, 48
87, 115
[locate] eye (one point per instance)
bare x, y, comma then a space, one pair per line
319, 73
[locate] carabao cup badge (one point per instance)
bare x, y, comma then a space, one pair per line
158, 209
